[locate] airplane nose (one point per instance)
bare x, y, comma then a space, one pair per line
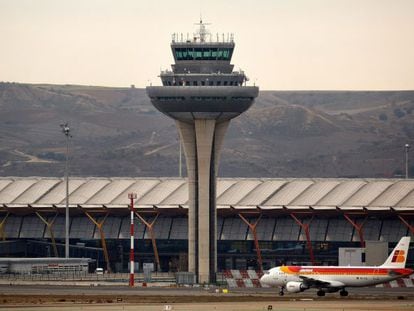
264, 279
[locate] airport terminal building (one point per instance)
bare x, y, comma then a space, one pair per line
260, 223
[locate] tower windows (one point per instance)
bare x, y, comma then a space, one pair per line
226, 53
213, 53
198, 54
206, 53
203, 53
189, 81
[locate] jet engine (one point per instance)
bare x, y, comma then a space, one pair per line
295, 287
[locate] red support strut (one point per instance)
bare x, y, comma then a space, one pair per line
358, 227
305, 227
410, 227
256, 241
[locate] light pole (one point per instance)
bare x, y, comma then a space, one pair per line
66, 131
407, 148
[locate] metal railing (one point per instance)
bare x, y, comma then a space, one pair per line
92, 277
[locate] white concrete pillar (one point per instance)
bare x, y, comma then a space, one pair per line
220, 132
188, 140
202, 141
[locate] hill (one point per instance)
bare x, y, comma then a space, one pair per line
117, 132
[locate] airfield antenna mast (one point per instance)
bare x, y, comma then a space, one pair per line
202, 31
132, 197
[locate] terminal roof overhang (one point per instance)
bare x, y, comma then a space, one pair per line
327, 196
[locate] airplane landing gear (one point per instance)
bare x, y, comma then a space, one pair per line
281, 293
343, 293
320, 293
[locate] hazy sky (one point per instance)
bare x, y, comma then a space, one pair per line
281, 44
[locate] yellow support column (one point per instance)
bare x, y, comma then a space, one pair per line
150, 226
99, 225
2, 224
49, 226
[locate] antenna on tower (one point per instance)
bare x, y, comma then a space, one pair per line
202, 31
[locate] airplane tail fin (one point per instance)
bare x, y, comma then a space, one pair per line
398, 256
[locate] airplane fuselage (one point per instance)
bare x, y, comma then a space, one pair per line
331, 279
338, 276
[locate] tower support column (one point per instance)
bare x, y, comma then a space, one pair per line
202, 142
187, 135
204, 130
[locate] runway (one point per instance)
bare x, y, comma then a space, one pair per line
51, 290
73, 298
234, 306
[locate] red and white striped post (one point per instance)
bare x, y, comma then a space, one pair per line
132, 196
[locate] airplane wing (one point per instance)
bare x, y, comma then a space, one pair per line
311, 282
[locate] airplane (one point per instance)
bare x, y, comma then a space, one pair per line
330, 279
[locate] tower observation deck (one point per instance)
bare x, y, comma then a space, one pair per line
202, 93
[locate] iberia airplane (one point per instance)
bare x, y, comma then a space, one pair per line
331, 279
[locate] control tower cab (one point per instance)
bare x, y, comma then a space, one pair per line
202, 93
202, 83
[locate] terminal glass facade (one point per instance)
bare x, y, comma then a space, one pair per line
281, 240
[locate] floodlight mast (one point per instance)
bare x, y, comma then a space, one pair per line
66, 131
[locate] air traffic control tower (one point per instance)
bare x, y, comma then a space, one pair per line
202, 94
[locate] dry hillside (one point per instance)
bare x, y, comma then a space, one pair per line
116, 132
